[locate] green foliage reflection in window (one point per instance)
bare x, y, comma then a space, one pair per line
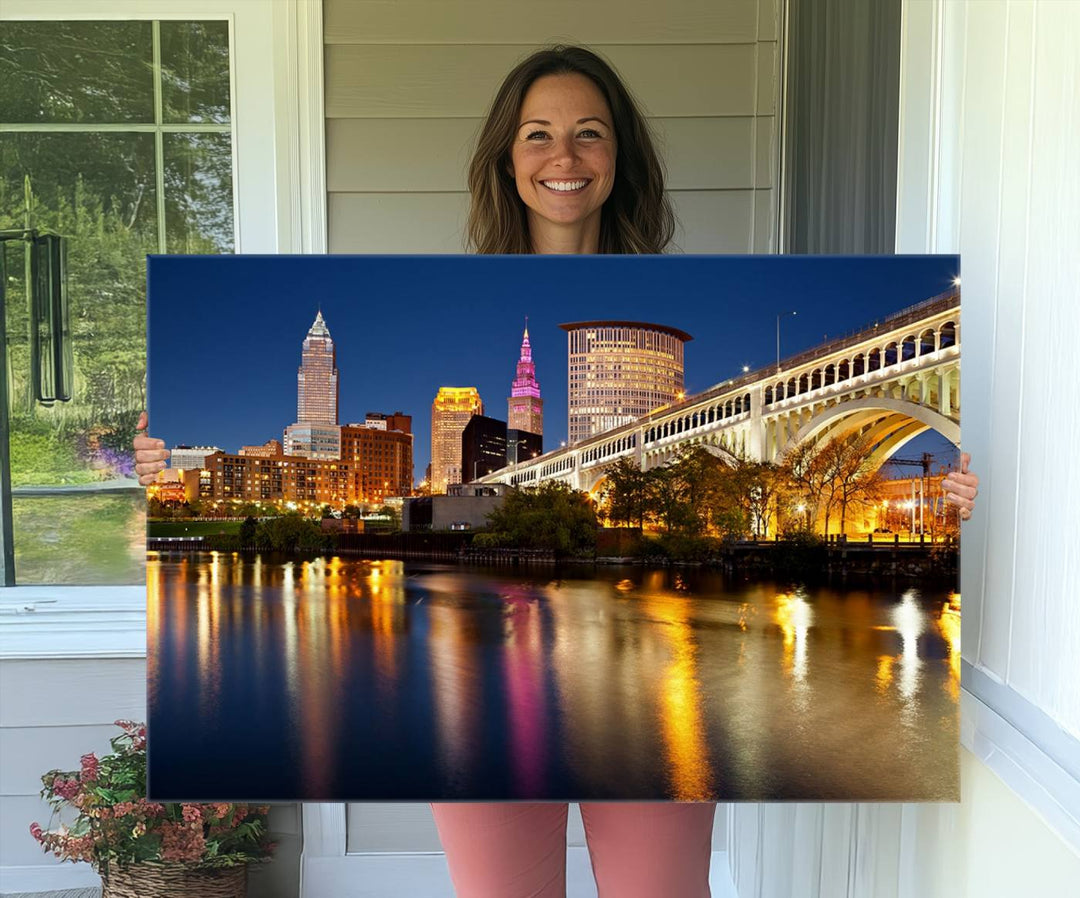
118, 136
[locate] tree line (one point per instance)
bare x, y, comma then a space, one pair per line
817, 485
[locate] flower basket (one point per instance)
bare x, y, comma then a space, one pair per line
173, 881
143, 848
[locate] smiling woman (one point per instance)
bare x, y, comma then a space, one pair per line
560, 118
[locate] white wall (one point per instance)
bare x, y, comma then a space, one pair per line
990, 138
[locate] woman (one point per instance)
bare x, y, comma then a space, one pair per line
565, 164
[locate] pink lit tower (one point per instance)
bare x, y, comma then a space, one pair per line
525, 407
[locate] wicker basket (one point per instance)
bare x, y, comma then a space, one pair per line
150, 880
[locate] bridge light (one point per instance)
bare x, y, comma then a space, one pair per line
745, 368
956, 281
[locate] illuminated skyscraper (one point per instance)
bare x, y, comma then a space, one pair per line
450, 412
317, 380
619, 371
316, 433
525, 407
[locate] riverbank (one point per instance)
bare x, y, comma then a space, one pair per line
786, 558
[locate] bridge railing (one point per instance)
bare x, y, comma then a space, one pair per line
940, 303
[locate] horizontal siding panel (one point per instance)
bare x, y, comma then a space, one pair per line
517, 22
432, 154
768, 78
17, 846
766, 214
390, 826
768, 20
397, 222
713, 221
707, 153
765, 152
28, 752
72, 692
460, 81
709, 221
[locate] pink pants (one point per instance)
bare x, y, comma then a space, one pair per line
518, 850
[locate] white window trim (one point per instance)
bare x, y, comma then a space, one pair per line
280, 198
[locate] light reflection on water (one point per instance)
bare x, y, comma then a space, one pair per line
372, 680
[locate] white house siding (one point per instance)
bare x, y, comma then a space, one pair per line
989, 137
407, 86
53, 712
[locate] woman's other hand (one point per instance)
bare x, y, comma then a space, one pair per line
150, 454
961, 487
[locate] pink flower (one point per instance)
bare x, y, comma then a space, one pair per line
181, 842
65, 788
89, 767
191, 813
36, 832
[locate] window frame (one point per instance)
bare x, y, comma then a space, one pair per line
276, 89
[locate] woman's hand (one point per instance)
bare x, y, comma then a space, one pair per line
150, 454
961, 487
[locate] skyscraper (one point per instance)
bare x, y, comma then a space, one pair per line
483, 447
317, 379
450, 412
619, 371
525, 407
316, 433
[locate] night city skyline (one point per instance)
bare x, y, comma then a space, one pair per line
404, 325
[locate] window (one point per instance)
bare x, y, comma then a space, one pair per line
117, 136
278, 164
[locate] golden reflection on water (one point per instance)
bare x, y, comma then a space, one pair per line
386, 588
795, 617
949, 625
682, 718
907, 618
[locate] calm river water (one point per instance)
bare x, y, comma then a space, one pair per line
346, 679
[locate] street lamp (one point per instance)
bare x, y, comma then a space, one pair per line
780, 315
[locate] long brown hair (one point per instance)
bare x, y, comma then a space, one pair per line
637, 216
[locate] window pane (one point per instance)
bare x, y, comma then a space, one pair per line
198, 193
98, 191
76, 72
195, 71
81, 540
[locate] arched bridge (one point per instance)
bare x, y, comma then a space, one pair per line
890, 381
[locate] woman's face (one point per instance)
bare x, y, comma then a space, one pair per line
563, 154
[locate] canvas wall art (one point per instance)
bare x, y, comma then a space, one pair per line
539, 528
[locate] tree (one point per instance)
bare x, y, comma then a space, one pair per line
832, 474
551, 516
626, 494
751, 489
806, 475
853, 477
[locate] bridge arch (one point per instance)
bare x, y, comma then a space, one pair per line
887, 422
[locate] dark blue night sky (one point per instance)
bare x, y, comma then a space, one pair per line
225, 332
